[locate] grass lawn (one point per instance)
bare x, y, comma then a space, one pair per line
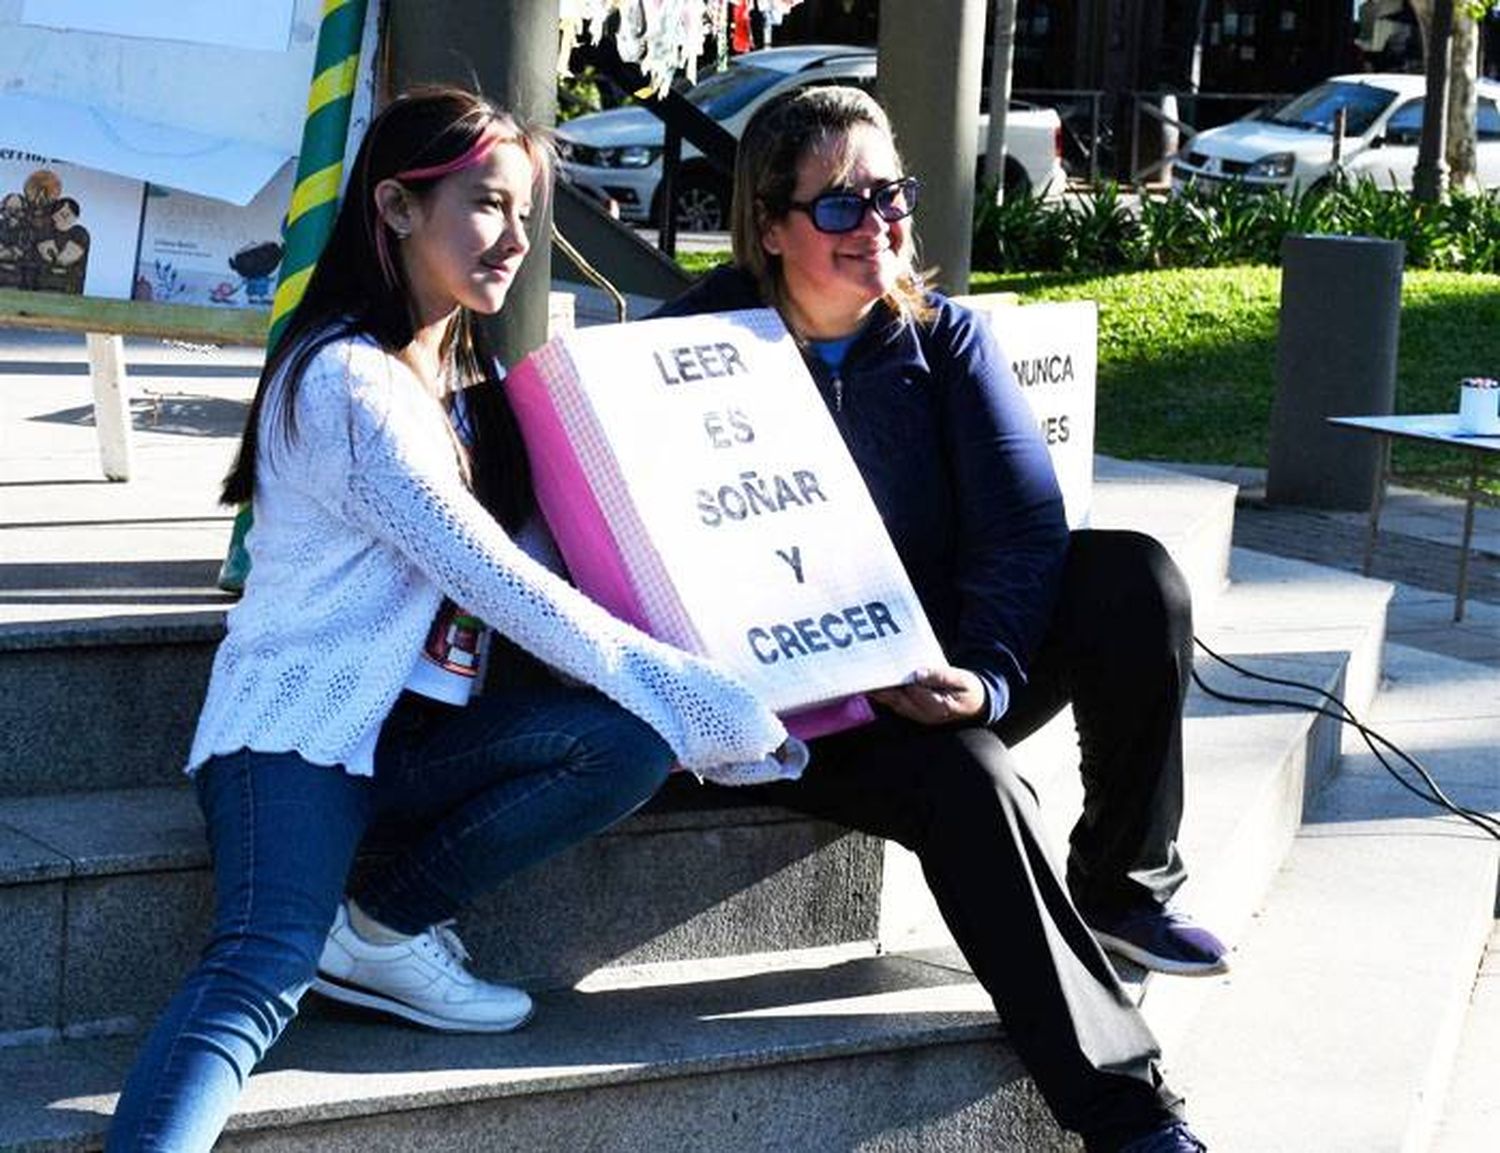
1187, 357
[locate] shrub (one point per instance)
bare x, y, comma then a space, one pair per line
1228, 225
1473, 233
1099, 231
1022, 234
1187, 357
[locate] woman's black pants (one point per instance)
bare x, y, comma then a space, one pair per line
1119, 649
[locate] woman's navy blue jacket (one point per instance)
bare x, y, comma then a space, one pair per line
957, 467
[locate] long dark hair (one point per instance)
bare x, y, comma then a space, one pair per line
356, 289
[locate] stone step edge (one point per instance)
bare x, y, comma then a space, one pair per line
157, 828
206, 624
1332, 611
1470, 1111
173, 627
828, 1004
1320, 936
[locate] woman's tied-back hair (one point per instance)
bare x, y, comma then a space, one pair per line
359, 287
781, 134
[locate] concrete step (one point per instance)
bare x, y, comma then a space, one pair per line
1471, 1108
102, 703
1251, 780
1337, 1028
1249, 771
797, 1051
96, 884
123, 616
105, 851
1192, 516
114, 880
1340, 1025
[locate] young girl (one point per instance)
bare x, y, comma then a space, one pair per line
392, 515
1029, 618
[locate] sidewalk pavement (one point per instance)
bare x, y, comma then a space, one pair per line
74, 544
1418, 549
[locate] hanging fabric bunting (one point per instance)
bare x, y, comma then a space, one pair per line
664, 37
741, 25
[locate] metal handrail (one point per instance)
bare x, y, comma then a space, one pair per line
590, 273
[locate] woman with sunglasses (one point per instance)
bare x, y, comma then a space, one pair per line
393, 515
1029, 618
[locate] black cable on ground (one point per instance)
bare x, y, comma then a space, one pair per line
1341, 712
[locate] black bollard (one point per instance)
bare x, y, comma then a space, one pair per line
1335, 356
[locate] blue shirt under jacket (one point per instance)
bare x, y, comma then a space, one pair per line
955, 463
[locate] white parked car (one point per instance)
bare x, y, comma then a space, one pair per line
1291, 146
616, 155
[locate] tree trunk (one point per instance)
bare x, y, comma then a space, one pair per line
1463, 75
1002, 50
1430, 178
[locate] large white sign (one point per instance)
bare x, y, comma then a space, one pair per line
264, 25
1053, 351
697, 485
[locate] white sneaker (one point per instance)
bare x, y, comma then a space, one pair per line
422, 979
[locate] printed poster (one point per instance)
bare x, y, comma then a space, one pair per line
66, 229
195, 250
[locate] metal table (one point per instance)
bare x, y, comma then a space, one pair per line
1429, 428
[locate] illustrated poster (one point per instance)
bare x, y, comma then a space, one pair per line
66, 229
195, 250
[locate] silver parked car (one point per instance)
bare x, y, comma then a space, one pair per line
1291, 146
616, 155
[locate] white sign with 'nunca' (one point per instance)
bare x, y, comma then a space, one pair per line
1053, 352
698, 487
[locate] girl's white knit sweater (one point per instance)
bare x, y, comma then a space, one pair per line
362, 524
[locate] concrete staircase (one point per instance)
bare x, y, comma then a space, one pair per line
726, 978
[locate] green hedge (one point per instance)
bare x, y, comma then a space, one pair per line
1104, 231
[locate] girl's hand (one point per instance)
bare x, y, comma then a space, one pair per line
936, 696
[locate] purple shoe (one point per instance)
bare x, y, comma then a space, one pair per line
1160, 939
1173, 1138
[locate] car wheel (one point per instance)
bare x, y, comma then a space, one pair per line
702, 202
1017, 183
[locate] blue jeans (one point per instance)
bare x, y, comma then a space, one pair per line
465, 797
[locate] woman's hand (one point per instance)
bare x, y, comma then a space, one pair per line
935, 696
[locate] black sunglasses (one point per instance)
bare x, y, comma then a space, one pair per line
845, 211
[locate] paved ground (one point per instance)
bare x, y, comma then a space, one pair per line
1418, 548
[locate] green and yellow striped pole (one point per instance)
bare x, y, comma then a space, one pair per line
315, 197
